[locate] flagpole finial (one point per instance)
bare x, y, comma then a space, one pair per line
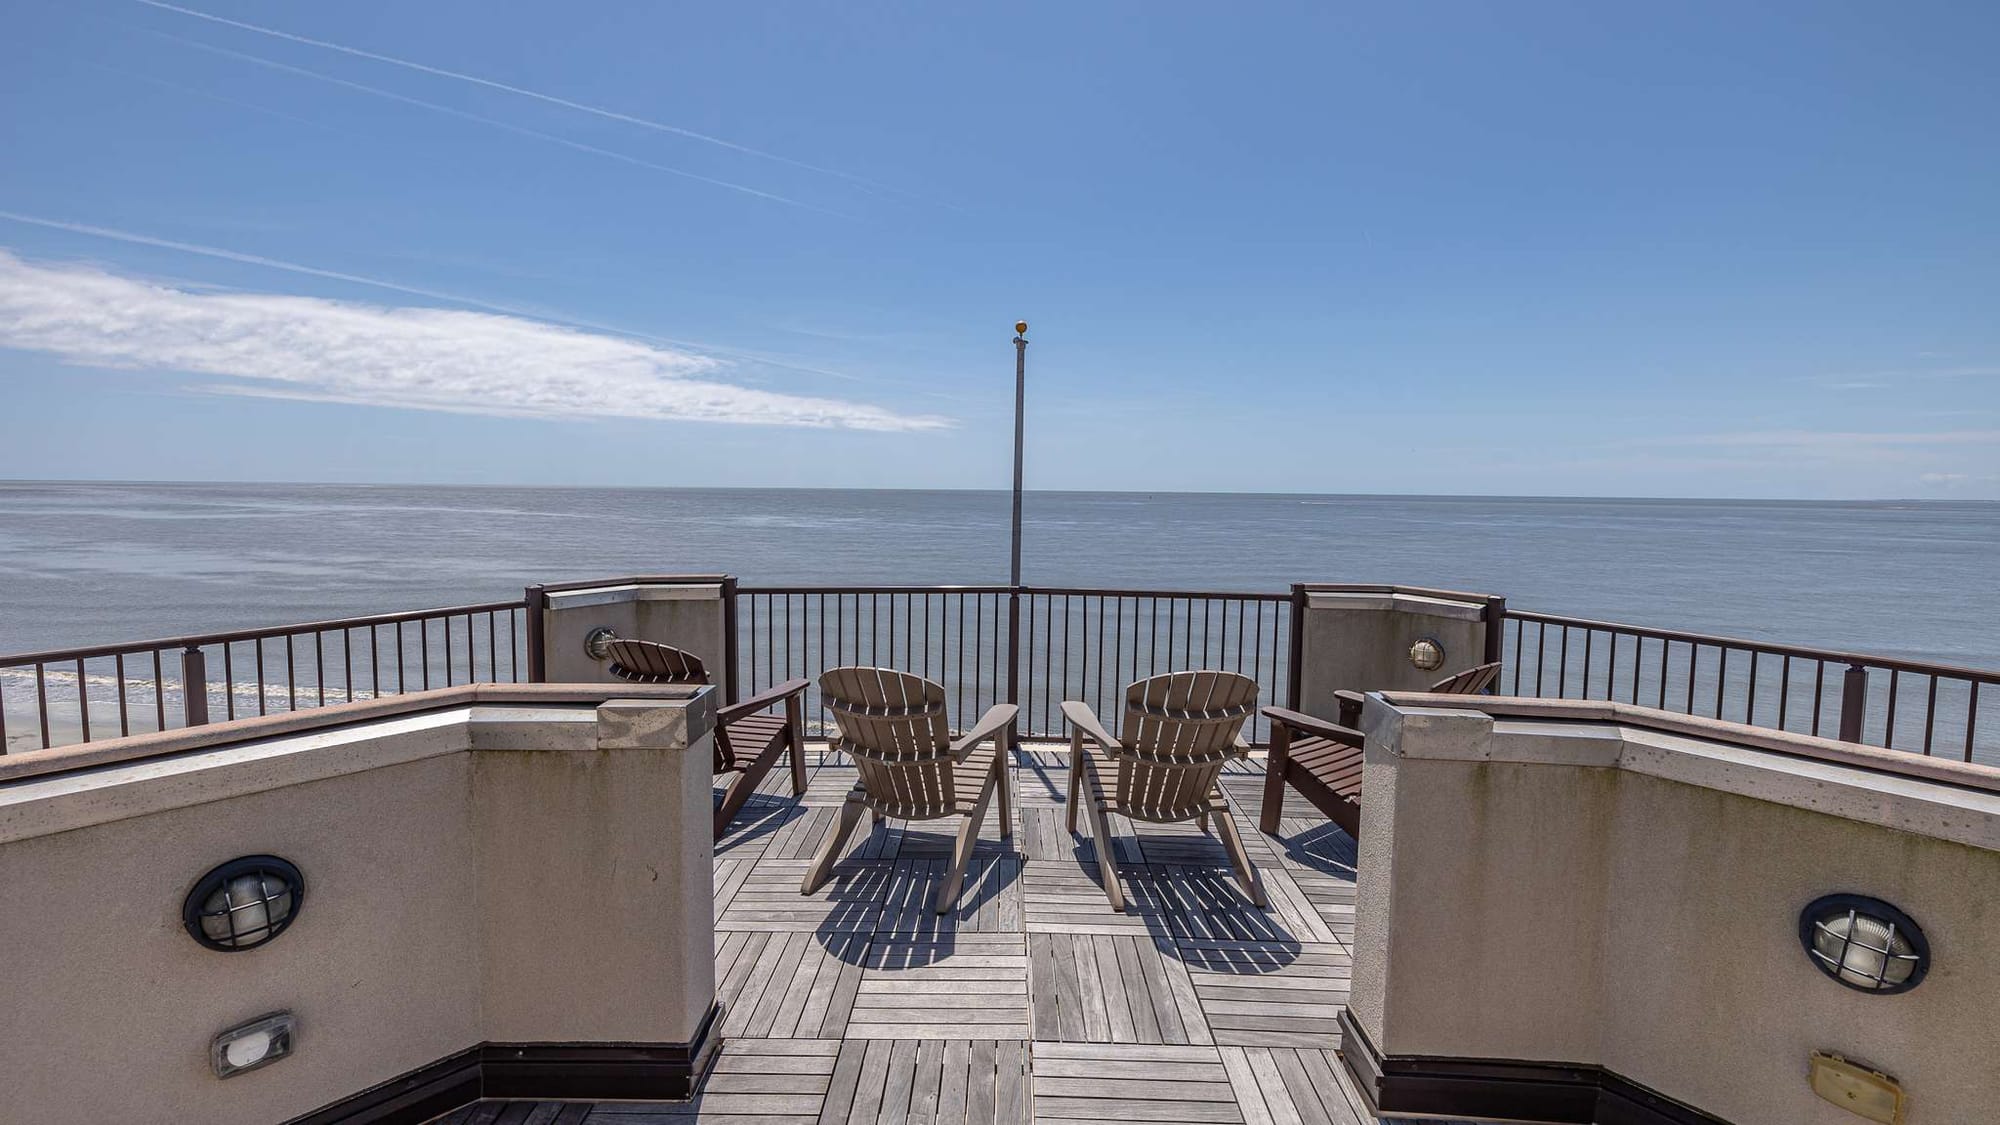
1020, 328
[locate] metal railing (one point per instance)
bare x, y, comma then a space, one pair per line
1034, 646
1922, 707
74, 695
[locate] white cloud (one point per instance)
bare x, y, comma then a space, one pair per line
416, 358
1812, 439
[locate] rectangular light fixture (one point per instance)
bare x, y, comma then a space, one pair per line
263, 1040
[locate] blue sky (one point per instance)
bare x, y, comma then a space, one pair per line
1570, 249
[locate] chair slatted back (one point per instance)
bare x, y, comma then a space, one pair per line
1178, 731
649, 662
895, 727
1472, 681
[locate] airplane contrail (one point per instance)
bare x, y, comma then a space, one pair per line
488, 121
490, 84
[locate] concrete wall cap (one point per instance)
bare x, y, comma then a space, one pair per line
180, 740
652, 724
612, 595
1849, 789
1902, 762
1399, 603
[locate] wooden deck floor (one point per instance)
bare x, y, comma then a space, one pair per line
1035, 1001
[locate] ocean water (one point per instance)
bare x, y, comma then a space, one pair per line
87, 563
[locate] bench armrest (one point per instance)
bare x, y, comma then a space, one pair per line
996, 720
766, 698
1080, 716
1314, 728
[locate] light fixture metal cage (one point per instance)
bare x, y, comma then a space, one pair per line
244, 903
1879, 966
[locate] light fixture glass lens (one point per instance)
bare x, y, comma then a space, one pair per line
242, 1052
244, 910
1864, 951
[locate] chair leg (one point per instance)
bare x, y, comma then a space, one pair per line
1107, 866
1075, 775
1274, 779
735, 797
1005, 765
961, 852
1201, 821
829, 851
1246, 872
795, 733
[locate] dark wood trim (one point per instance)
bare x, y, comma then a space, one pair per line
532, 1071
415, 1097
1558, 1093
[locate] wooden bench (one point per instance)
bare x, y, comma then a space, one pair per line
1322, 760
747, 742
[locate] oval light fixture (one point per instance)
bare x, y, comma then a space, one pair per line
244, 903
1427, 654
1864, 943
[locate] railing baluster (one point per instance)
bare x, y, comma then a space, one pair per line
42, 700
1930, 715
228, 683
124, 728
1889, 731
1819, 691
1971, 718
83, 699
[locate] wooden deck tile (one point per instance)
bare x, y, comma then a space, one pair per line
769, 898
989, 899
962, 986
1096, 1082
1265, 995
1103, 988
929, 1082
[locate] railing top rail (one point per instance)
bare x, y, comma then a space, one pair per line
193, 640
1834, 656
1071, 591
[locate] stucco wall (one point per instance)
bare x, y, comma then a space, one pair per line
537, 888
1609, 895
1359, 640
685, 613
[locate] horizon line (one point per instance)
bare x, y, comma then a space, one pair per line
5, 481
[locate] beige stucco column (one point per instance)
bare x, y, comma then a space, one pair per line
689, 612
1359, 638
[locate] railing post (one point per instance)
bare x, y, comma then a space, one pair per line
729, 659
1295, 658
194, 686
1013, 644
1853, 703
536, 601
1496, 635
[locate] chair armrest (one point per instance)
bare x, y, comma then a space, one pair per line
995, 720
766, 698
1080, 716
1316, 728
1351, 703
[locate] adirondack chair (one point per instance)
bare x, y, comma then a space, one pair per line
1322, 760
1177, 733
747, 741
895, 727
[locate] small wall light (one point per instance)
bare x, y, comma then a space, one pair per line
263, 1040
597, 644
1427, 654
244, 903
1864, 943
